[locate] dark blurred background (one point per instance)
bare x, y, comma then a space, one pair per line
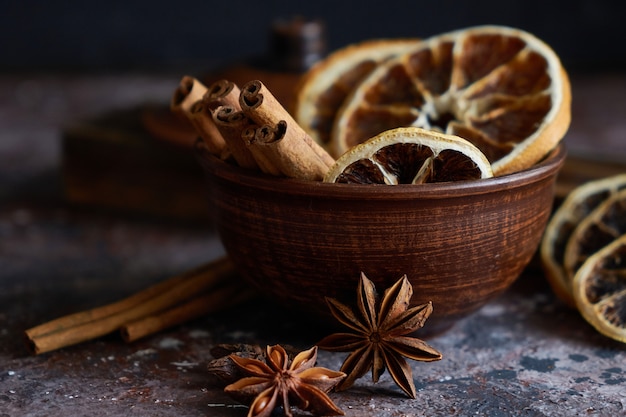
122, 35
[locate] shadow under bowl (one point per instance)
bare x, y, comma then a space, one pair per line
460, 243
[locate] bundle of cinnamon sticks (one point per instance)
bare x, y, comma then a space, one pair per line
193, 294
249, 127
246, 126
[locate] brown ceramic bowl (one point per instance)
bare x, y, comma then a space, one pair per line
460, 244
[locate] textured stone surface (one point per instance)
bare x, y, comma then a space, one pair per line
524, 353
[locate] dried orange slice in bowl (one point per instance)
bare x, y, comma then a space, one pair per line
578, 204
322, 90
410, 156
599, 289
501, 88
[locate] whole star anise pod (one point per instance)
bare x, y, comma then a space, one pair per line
298, 383
380, 334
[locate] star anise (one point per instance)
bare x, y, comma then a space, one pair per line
224, 369
298, 383
380, 334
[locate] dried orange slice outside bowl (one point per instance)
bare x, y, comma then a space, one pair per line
602, 226
501, 88
599, 289
579, 203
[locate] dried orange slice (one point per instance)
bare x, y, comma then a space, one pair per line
599, 289
501, 88
410, 156
578, 204
322, 90
602, 226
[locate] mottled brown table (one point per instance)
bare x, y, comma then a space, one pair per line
524, 353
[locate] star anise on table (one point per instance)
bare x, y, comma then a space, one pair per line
380, 339
276, 381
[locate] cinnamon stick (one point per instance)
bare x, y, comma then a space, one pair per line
258, 103
289, 157
189, 91
226, 296
231, 124
98, 313
260, 156
201, 118
202, 113
87, 325
187, 104
222, 93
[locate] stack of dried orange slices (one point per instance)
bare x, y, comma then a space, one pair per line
501, 89
469, 104
583, 253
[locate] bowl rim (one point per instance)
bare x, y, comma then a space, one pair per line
544, 169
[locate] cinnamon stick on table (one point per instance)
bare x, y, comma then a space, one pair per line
294, 145
196, 307
177, 292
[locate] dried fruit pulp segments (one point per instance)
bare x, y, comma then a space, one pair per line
599, 289
578, 205
324, 87
582, 252
603, 225
502, 89
410, 156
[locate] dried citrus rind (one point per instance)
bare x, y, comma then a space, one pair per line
501, 88
602, 226
410, 156
323, 88
579, 203
599, 289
